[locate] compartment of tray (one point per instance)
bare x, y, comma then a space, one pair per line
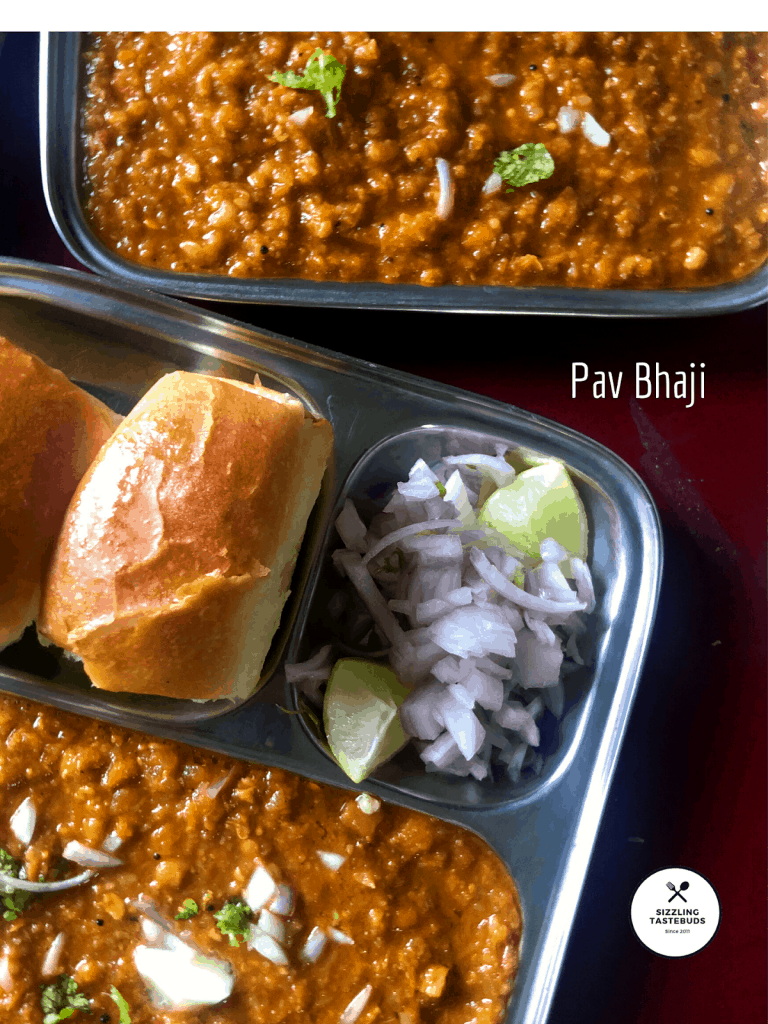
370, 485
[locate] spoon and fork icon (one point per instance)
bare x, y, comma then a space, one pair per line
678, 892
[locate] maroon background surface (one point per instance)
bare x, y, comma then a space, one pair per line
691, 780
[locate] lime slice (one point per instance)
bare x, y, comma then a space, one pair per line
541, 502
360, 715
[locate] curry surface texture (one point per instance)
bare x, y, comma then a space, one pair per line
196, 162
434, 916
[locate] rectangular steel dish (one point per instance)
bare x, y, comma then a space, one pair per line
62, 163
116, 342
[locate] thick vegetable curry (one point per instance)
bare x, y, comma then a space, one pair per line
425, 916
201, 159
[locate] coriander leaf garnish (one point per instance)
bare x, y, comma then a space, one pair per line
323, 73
61, 999
233, 920
14, 900
523, 166
188, 909
122, 1005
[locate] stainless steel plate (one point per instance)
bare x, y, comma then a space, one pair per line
62, 162
116, 342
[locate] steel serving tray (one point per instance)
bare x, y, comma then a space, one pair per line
116, 342
62, 155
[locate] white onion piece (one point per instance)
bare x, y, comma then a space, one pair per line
260, 942
313, 946
407, 531
540, 629
23, 821
283, 903
368, 804
215, 788
456, 495
331, 860
492, 184
260, 889
183, 977
356, 1006
507, 589
340, 937
442, 751
493, 466
51, 965
462, 723
112, 843
500, 80
487, 690
351, 528
271, 925
6, 981
301, 116
568, 118
539, 663
517, 718
552, 551
445, 202
361, 579
584, 586
597, 136
26, 886
153, 932
81, 854
417, 712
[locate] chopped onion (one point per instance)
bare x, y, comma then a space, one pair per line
112, 843
597, 136
215, 788
6, 981
260, 889
584, 587
568, 118
515, 717
267, 945
51, 964
81, 854
283, 903
331, 860
445, 202
492, 184
494, 466
351, 528
500, 80
26, 886
368, 804
356, 1006
313, 945
301, 116
340, 937
271, 925
552, 551
408, 531
23, 821
183, 976
507, 589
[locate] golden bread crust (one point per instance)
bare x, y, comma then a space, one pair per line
174, 530
50, 432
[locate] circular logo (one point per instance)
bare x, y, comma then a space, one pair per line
675, 912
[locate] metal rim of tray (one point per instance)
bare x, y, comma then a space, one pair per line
61, 156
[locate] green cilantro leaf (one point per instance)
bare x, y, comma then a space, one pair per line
524, 165
232, 920
440, 488
13, 900
323, 73
188, 909
122, 1005
60, 1000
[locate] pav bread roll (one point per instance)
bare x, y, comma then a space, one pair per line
50, 432
176, 554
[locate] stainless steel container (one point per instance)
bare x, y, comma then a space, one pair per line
61, 74
116, 342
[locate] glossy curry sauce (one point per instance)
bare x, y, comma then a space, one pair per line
197, 163
433, 915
